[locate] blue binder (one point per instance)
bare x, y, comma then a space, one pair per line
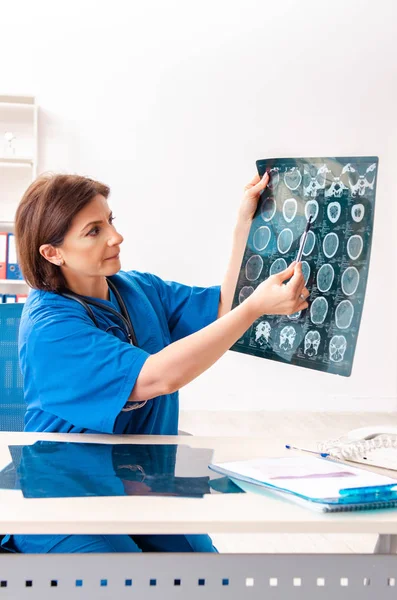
13, 271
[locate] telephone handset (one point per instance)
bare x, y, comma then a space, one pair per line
375, 445
369, 433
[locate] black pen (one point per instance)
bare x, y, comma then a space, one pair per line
304, 238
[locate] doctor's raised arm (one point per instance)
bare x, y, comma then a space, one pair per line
186, 359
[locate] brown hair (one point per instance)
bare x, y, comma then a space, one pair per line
44, 216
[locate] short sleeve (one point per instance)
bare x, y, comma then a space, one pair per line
188, 309
77, 371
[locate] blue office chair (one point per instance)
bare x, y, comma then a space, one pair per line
12, 404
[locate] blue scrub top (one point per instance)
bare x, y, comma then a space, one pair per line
78, 377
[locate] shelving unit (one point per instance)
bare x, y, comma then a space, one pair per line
18, 164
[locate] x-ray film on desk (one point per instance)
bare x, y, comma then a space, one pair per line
339, 195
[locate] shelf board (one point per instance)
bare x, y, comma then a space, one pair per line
7, 227
17, 105
17, 162
13, 281
18, 100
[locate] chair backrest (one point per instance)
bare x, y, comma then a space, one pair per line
12, 404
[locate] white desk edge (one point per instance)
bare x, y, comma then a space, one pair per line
215, 513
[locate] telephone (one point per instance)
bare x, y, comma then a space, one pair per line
375, 446
369, 433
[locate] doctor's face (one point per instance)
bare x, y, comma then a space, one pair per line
92, 244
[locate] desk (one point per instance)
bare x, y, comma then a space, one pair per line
200, 575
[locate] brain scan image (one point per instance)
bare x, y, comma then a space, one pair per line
344, 313
309, 244
292, 178
350, 280
334, 211
274, 178
261, 238
290, 207
262, 333
268, 209
305, 270
325, 277
280, 264
245, 292
314, 179
319, 310
295, 316
355, 246
254, 267
361, 180
337, 348
311, 210
339, 182
357, 212
287, 338
312, 343
284, 241
338, 195
330, 244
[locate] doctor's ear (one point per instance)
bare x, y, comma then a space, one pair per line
51, 254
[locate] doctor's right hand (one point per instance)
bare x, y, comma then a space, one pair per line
273, 297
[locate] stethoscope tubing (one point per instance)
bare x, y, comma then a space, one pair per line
123, 316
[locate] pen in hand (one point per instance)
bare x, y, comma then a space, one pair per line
304, 238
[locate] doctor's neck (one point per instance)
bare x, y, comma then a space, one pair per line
95, 287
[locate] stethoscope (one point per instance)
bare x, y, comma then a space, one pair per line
123, 316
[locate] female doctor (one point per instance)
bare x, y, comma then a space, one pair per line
103, 350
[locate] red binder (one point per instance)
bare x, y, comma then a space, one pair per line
3, 255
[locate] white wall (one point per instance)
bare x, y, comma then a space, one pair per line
171, 102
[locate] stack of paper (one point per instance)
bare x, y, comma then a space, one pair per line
320, 483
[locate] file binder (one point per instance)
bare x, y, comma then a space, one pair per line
322, 507
13, 271
21, 298
3, 255
318, 483
9, 298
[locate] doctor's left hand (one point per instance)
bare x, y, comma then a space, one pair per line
252, 192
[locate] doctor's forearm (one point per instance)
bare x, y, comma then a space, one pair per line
230, 280
181, 362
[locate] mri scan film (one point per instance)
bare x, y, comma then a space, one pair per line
339, 195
